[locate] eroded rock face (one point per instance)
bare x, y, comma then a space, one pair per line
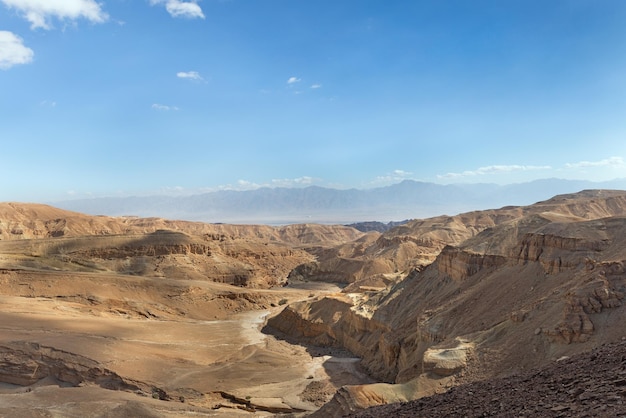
447, 361
147, 251
593, 297
352, 398
329, 321
459, 264
557, 253
25, 363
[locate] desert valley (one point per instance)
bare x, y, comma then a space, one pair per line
312, 209
148, 317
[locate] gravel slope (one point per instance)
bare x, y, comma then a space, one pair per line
591, 384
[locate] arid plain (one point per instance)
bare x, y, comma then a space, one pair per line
125, 316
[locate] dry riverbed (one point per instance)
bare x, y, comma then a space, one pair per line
206, 367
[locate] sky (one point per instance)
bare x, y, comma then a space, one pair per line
136, 97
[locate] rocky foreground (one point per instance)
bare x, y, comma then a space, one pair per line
591, 384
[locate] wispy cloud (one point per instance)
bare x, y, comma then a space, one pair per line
493, 169
40, 12
607, 162
190, 75
582, 169
293, 80
242, 185
162, 107
13, 51
402, 173
178, 8
300, 181
393, 177
316, 86
48, 103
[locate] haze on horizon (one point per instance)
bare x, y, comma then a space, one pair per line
109, 98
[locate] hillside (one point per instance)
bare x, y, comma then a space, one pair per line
586, 385
417, 243
511, 289
43, 237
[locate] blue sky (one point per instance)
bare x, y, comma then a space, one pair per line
128, 97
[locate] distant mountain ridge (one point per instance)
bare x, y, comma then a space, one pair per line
369, 226
406, 200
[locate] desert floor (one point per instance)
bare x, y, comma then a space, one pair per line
213, 365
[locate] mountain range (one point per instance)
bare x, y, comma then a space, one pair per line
277, 206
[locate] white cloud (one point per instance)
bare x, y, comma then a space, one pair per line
178, 8
39, 12
191, 75
607, 162
12, 50
393, 177
293, 80
244, 185
493, 169
176, 191
316, 86
300, 181
48, 103
161, 107
402, 173
250, 185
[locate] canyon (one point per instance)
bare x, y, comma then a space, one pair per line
126, 316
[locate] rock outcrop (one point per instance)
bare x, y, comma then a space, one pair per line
26, 363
